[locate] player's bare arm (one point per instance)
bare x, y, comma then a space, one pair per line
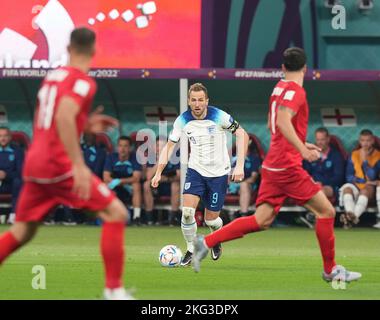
67, 111
284, 123
312, 146
241, 149
162, 162
107, 177
98, 122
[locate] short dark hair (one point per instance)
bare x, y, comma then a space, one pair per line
294, 59
366, 132
82, 40
5, 128
125, 138
322, 130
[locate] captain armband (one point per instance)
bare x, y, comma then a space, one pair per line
234, 126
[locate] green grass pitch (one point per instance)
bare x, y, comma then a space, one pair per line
276, 264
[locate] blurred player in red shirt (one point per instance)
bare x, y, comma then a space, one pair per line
55, 172
283, 175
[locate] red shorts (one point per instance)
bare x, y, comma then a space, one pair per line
37, 200
293, 183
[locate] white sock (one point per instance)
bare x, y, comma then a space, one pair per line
378, 201
12, 218
361, 205
214, 224
189, 227
348, 202
136, 213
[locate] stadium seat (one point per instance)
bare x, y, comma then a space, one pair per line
21, 139
259, 147
337, 143
377, 142
104, 140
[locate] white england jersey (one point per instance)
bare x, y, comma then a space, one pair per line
208, 141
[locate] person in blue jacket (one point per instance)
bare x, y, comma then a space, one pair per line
329, 170
11, 161
94, 155
122, 173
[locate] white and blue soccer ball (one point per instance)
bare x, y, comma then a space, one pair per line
170, 256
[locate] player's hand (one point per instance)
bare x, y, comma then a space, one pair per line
311, 155
3, 174
98, 122
237, 175
155, 180
82, 181
311, 146
372, 183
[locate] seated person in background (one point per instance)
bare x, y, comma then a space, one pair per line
362, 172
122, 173
11, 161
169, 186
94, 155
329, 170
252, 165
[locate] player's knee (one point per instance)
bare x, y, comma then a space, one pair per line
188, 212
245, 186
364, 192
147, 187
117, 211
175, 187
24, 232
348, 191
122, 213
265, 225
329, 212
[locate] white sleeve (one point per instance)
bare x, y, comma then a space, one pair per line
178, 125
227, 121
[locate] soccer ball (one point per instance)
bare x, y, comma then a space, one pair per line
170, 256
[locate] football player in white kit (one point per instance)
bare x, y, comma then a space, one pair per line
209, 163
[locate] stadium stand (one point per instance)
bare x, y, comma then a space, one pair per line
231, 202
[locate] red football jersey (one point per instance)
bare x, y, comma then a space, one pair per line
47, 160
281, 153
